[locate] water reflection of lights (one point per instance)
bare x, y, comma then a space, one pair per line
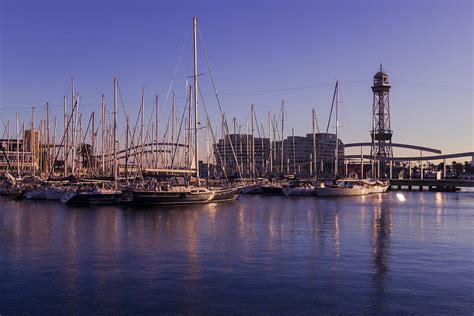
439, 199
381, 246
401, 197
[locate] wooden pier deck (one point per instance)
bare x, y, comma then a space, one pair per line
431, 184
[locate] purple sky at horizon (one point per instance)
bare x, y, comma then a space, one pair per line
260, 51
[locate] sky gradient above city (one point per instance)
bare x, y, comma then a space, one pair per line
260, 51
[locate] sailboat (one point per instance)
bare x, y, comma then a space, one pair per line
104, 195
173, 195
95, 195
340, 187
50, 193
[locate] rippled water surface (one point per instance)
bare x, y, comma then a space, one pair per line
399, 252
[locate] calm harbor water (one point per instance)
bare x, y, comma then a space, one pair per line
399, 252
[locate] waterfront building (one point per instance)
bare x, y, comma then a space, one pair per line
298, 155
261, 159
21, 154
236, 150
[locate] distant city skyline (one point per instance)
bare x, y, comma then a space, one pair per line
260, 52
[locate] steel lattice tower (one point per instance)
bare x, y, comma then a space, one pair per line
381, 132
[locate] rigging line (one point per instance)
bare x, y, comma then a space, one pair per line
165, 134
329, 120
1, 118
174, 75
64, 137
5, 130
316, 121
265, 91
219, 101
228, 93
123, 107
179, 134
171, 83
437, 89
256, 123
213, 137
430, 84
121, 98
134, 134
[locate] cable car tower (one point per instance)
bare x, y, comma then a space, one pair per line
381, 132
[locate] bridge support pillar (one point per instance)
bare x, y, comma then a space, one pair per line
420, 188
409, 187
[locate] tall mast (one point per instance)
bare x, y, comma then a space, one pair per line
173, 114
282, 130
253, 142
47, 138
294, 150
270, 141
8, 145
262, 156
142, 136
240, 143
51, 163
196, 150
104, 127
336, 162
74, 117
314, 144
188, 155
247, 146
126, 147
207, 153
115, 134
156, 130
23, 147
92, 165
80, 145
224, 167
33, 141
17, 148
66, 136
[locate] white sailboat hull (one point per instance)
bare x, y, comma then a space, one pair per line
341, 191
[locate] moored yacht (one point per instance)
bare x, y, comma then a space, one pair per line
49, 193
169, 195
95, 196
342, 188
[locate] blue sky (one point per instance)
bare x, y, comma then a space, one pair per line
260, 52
